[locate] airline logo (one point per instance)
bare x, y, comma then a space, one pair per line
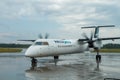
62, 41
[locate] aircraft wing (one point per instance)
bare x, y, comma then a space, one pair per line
112, 38
27, 40
82, 39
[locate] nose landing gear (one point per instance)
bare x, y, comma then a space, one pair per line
33, 63
56, 59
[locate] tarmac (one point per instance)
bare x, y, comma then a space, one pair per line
69, 67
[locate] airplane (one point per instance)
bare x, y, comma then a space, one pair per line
56, 47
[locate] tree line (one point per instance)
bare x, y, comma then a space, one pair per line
111, 46
4, 45
13, 45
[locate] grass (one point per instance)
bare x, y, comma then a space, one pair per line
110, 50
5, 50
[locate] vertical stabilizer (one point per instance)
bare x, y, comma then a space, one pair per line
96, 34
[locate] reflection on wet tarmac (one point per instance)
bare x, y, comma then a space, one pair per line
60, 73
70, 67
64, 72
52, 73
97, 66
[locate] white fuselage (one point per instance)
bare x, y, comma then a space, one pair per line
55, 47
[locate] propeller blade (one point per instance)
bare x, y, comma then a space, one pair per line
46, 36
85, 36
91, 38
40, 36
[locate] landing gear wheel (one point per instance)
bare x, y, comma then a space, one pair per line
33, 63
56, 59
98, 58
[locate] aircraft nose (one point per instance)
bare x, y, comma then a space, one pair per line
31, 52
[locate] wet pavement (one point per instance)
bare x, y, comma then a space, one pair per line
69, 67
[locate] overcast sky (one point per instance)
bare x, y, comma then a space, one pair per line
25, 19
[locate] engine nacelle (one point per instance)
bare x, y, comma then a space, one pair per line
98, 44
91, 49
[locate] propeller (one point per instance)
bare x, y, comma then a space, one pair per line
94, 43
45, 36
90, 40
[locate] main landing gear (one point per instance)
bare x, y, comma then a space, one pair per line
33, 63
98, 59
98, 56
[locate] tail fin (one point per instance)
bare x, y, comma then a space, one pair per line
96, 33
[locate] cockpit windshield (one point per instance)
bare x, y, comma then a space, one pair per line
41, 43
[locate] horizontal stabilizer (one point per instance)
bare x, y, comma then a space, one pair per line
98, 26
